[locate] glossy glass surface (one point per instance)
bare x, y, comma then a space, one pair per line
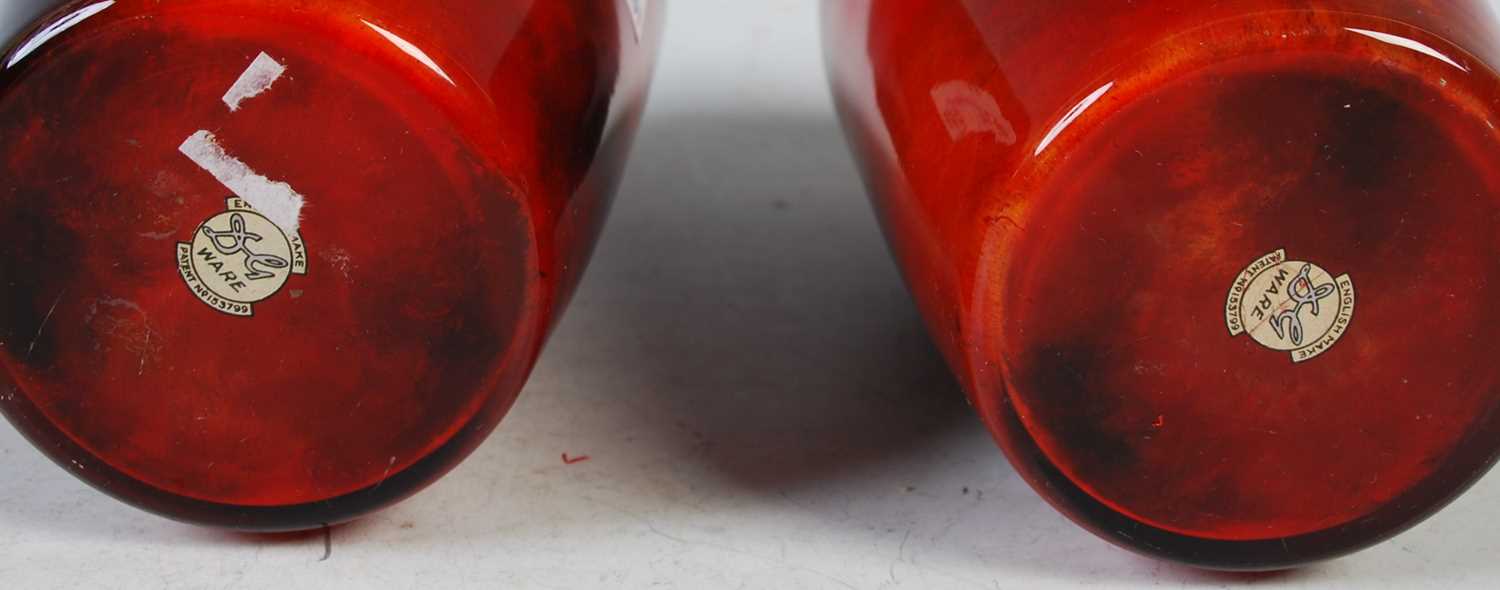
456, 160
1072, 188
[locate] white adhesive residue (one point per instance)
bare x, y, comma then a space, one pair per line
258, 78
275, 200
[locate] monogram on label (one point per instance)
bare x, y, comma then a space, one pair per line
239, 258
1290, 305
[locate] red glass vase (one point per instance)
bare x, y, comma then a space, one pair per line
274, 264
1219, 276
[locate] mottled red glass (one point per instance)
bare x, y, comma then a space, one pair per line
1074, 189
457, 159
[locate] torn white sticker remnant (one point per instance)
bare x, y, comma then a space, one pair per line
258, 78
277, 201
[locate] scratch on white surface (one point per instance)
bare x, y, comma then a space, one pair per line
278, 201
328, 539
900, 555
258, 78
726, 548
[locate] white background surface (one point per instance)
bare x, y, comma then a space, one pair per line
751, 381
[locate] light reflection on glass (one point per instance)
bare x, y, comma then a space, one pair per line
1072, 115
57, 28
1411, 44
412, 50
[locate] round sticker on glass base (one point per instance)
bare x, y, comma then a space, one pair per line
1290, 306
239, 258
